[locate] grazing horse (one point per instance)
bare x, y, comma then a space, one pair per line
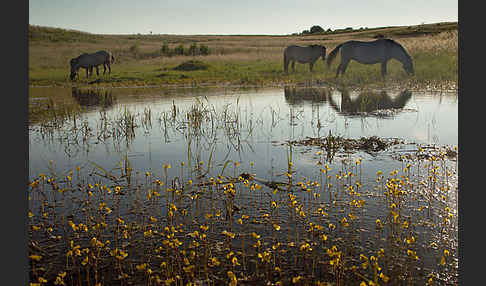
88, 61
379, 51
303, 55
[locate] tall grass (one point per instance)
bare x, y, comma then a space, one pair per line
235, 59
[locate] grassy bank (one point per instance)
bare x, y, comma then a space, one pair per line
236, 60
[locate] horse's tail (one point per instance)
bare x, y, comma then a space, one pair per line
333, 54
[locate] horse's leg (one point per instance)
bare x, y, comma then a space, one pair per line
344, 66
311, 64
109, 68
87, 72
97, 71
383, 69
293, 66
338, 69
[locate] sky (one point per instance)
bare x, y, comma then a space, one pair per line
223, 17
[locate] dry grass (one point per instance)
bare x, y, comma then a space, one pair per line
48, 61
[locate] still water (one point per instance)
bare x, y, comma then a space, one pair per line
203, 134
245, 126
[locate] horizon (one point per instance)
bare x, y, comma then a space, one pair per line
354, 30
217, 17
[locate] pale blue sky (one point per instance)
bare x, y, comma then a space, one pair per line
234, 17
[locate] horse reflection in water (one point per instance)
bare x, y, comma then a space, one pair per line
300, 95
93, 97
368, 102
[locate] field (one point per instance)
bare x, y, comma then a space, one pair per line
203, 186
238, 59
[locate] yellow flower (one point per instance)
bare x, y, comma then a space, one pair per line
305, 247
384, 277
276, 227
228, 234
410, 240
234, 261
141, 267
323, 237
296, 279
344, 222
213, 261
405, 224
35, 257
232, 277
147, 233
378, 223
85, 261
59, 281
443, 260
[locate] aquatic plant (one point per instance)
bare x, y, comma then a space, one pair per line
86, 229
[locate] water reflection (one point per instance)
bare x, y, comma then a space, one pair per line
93, 97
300, 95
367, 103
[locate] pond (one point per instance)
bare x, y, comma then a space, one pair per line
381, 165
241, 126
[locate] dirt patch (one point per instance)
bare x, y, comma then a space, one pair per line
192, 65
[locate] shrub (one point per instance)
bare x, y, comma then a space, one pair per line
316, 29
192, 66
204, 50
192, 50
179, 50
135, 49
164, 50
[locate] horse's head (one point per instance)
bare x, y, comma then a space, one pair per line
408, 66
74, 68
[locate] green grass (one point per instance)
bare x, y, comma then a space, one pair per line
236, 60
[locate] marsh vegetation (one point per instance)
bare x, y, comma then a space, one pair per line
246, 187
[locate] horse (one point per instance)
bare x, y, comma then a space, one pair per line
88, 61
379, 51
303, 55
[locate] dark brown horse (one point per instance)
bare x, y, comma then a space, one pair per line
303, 55
379, 51
88, 61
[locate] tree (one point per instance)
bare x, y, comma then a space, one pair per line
316, 29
